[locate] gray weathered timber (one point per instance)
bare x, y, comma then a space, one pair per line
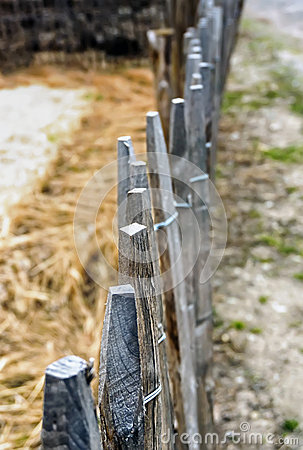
160, 42
138, 175
120, 384
195, 126
136, 268
217, 92
139, 210
205, 387
192, 66
125, 155
69, 417
180, 172
205, 38
174, 287
207, 72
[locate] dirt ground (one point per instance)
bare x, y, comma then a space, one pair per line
258, 287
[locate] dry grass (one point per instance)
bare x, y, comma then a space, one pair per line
48, 306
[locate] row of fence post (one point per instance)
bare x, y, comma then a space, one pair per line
155, 373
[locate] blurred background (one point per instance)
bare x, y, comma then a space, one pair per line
74, 76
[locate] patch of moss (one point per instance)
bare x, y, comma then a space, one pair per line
263, 299
256, 330
299, 276
279, 244
291, 189
289, 88
290, 425
238, 325
254, 214
291, 154
52, 137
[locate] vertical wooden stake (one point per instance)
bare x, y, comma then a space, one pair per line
176, 304
120, 386
125, 157
136, 268
69, 418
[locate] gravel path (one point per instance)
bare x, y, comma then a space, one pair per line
258, 288
32, 121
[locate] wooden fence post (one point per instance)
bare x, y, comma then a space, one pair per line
125, 156
136, 268
120, 386
176, 305
139, 210
69, 418
138, 175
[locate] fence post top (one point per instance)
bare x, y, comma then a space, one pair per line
66, 367
152, 114
196, 87
177, 101
124, 138
194, 56
137, 191
122, 289
133, 228
138, 163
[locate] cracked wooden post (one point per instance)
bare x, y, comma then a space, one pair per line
195, 134
192, 66
139, 210
69, 417
125, 156
136, 268
180, 173
176, 306
138, 175
120, 384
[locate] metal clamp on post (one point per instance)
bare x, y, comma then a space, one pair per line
148, 398
203, 177
163, 335
167, 222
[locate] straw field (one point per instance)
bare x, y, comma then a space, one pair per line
48, 305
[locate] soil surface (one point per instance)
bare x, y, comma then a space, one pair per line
258, 287
32, 121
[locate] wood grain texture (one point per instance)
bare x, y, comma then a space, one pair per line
69, 418
136, 268
174, 287
125, 156
139, 209
138, 175
120, 384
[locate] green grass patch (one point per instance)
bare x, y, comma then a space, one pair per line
289, 88
256, 330
291, 189
290, 425
238, 325
291, 154
53, 138
298, 276
263, 299
279, 244
254, 214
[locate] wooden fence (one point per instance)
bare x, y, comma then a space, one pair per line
155, 378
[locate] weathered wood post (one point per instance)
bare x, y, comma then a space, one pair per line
125, 156
69, 418
120, 387
175, 296
139, 210
136, 268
